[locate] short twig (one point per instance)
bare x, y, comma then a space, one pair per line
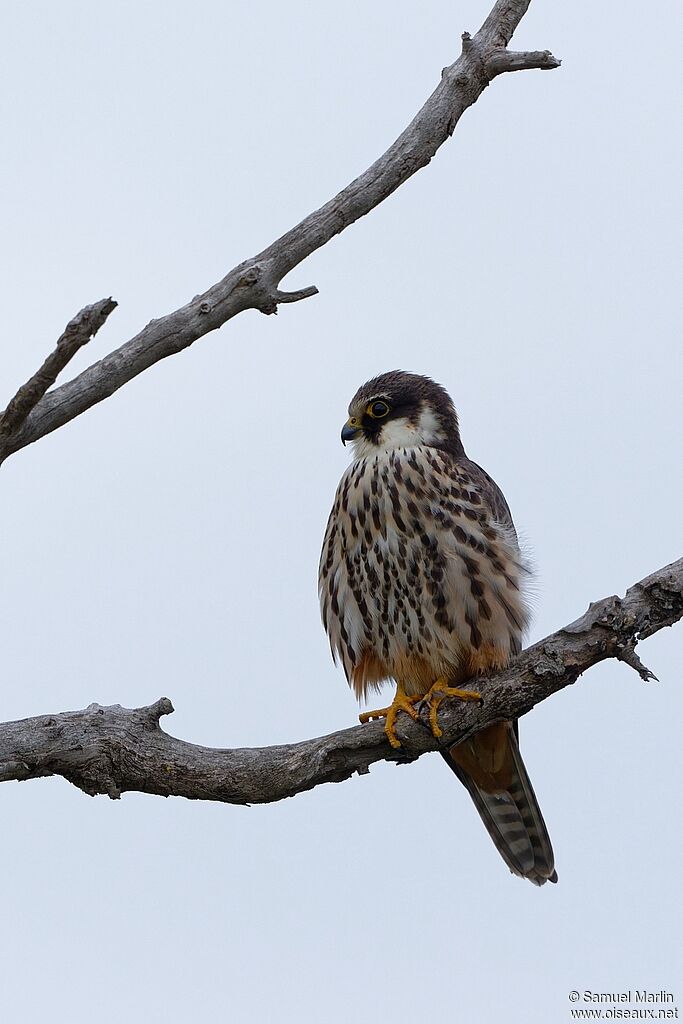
629, 656
523, 60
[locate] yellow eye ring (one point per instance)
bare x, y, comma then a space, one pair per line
378, 410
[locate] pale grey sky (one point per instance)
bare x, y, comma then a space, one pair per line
167, 541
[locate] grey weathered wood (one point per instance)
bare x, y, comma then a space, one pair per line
77, 333
510, 60
112, 750
254, 284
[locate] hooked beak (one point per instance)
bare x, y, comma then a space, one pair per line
350, 430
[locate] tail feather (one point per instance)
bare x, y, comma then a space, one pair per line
506, 802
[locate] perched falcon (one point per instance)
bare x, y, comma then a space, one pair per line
422, 581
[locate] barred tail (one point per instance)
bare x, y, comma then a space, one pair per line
490, 767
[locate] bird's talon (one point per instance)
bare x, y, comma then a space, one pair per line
437, 731
401, 702
371, 716
436, 695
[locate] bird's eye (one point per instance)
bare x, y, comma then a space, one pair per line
378, 410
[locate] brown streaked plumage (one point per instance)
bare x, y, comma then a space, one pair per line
421, 579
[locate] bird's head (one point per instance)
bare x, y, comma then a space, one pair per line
401, 410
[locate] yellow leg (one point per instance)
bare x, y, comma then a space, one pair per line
401, 702
436, 694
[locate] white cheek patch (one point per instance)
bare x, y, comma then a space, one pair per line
397, 433
400, 433
429, 427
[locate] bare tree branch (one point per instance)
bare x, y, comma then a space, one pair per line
254, 284
113, 750
77, 333
510, 60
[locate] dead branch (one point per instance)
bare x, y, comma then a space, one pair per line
508, 60
77, 333
254, 284
113, 750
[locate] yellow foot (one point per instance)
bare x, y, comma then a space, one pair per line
401, 702
433, 699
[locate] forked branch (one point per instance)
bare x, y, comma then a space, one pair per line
113, 750
77, 333
254, 284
